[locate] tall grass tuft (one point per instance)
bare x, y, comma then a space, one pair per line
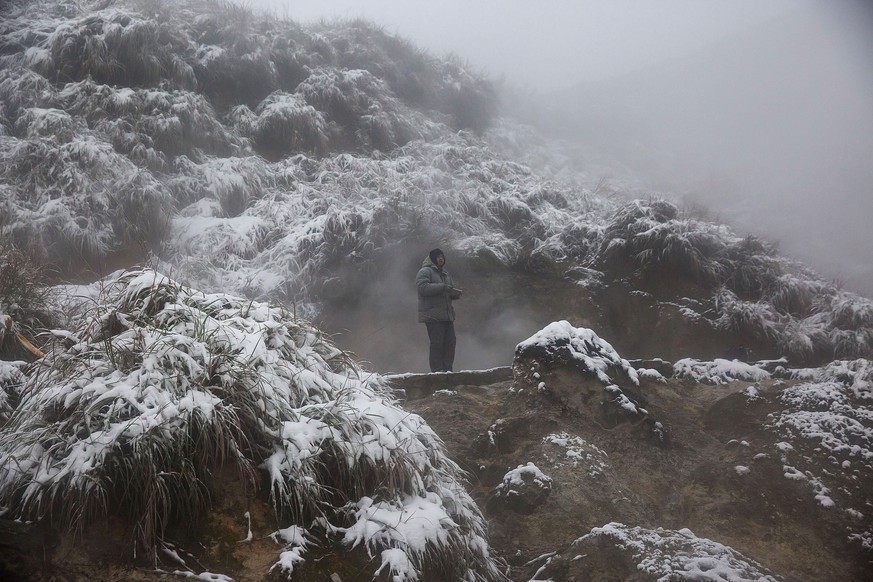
117, 47
754, 292
24, 295
79, 201
757, 319
163, 385
284, 124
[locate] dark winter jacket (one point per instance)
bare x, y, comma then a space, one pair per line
435, 293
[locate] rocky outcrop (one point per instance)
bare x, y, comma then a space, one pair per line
762, 478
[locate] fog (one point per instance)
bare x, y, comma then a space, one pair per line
547, 45
761, 112
770, 128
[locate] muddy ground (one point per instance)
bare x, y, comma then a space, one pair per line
626, 474
615, 471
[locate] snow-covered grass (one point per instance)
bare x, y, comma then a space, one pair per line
161, 384
114, 122
754, 292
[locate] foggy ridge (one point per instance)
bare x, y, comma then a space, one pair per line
769, 128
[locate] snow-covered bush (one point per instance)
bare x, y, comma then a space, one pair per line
653, 237
161, 384
755, 294
234, 183
78, 200
756, 319
448, 86
22, 89
284, 124
233, 65
361, 105
23, 290
117, 47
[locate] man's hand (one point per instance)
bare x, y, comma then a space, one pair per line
455, 293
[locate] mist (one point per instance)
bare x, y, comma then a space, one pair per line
770, 129
759, 113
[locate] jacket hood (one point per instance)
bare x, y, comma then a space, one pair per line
428, 263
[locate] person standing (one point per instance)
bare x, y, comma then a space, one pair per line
436, 291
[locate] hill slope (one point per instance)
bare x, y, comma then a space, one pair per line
260, 161
770, 128
748, 479
274, 161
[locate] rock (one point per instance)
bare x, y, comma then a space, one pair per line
663, 367
524, 489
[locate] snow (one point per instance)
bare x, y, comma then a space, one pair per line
577, 345
718, 371
412, 523
680, 555
577, 451
520, 477
398, 566
296, 539
204, 576
825, 430
160, 368
651, 375
445, 393
828, 414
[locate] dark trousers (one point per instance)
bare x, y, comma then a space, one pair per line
442, 345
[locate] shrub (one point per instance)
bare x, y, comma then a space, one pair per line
164, 384
363, 108
116, 47
23, 293
756, 319
471, 100
284, 124
75, 203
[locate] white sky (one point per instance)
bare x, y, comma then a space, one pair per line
548, 44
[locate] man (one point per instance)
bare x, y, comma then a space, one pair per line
436, 291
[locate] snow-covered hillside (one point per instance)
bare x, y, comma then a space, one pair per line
270, 160
279, 173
